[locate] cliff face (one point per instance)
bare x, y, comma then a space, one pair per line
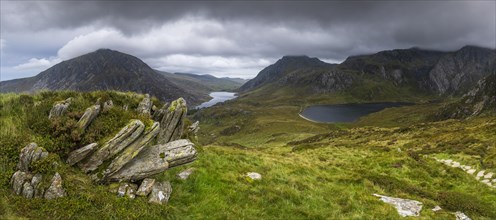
456, 72
480, 100
102, 70
424, 71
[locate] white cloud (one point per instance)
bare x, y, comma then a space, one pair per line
38, 65
2, 44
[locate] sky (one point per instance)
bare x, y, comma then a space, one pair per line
232, 38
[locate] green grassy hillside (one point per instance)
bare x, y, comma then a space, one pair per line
309, 170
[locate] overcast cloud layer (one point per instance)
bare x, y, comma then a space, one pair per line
235, 39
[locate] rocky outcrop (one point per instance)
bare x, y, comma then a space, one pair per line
30, 154
405, 207
55, 190
29, 185
160, 113
156, 159
81, 153
161, 193
132, 150
59, 108
88, 116
173, 121
145, 105
124, 138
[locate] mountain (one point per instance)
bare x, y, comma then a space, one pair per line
393, 73
104, 69
282, 68
481, 99
205, 83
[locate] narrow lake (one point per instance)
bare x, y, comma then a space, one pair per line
216, 98
344, 112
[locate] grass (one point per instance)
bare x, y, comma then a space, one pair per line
309, 170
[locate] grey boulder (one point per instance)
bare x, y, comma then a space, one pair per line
56, 190
145, 105
88, 116
30, 154
145, 187
405, 207
59, 108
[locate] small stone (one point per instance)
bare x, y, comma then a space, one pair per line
488, 176
55, 190
185, 174
131, 191
461, 216
437, 208
455, 164
405, 207
448, 161
122, 189
494, 181
27, 190
160, 193
145, 187
107, 105
471, 171
254, 176
480, 174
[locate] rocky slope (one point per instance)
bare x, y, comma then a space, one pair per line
103, 69
418, 70
481, 99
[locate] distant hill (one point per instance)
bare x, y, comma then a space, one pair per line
380, 76
104, 69
205, 83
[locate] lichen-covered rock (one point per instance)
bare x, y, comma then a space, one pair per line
156, 159
145, 187
27, 190
254, 176
160, 193
124, 138
108, 105
17, 181
172, 123
29, 155
185, 174
36, 183
132, 150
160, 113
145, 105
56, 190
59, 108
81, 153
88, 116
405, 207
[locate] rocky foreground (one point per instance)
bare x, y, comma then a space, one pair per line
130, 158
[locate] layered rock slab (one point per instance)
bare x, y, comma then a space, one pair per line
124, 138
156, 159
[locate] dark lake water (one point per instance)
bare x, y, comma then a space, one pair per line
217, 97
345, 112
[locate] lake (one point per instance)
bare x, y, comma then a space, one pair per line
216, 98
344, 112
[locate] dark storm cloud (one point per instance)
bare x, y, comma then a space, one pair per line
231, 33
